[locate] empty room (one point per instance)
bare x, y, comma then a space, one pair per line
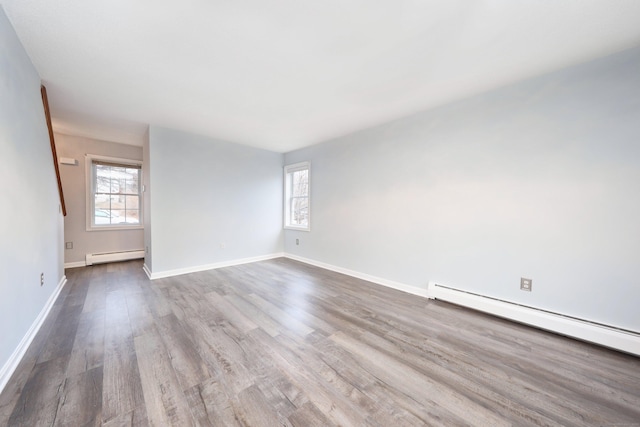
338, 213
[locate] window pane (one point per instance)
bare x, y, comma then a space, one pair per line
118, 216
103, 181
114, 179
132, 202
300, 211
102, 201
300, 183
131, 185
102, 216
130, 181
132, 216
116, 200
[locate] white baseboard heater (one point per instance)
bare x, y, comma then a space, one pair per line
618, 339
101, 258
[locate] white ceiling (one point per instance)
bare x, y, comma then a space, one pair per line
283, 74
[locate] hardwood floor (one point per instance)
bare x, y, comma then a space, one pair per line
282, 343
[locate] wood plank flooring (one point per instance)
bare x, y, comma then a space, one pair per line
280, 343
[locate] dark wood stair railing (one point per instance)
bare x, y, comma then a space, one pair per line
45, 102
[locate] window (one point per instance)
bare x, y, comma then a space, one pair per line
113, 193
296, 196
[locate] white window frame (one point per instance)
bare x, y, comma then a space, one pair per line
90, 200
287, 196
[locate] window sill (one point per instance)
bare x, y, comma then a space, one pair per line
291, 227
116, 228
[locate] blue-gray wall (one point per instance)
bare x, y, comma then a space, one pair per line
205, 193
540, 180
31, 225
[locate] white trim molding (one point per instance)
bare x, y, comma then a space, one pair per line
197, 268
10, 366
414, 290
604, 335
74, 264
146, 270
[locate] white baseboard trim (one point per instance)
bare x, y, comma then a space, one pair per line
75, 264
10, 366
146, 270
607, 336
195, 269
358, 275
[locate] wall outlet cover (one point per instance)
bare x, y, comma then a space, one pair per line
526, 284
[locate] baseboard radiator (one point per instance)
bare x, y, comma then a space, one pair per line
101, 258
615, 338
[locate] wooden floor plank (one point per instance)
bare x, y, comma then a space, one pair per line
284, 343
165, 402
231, 313
252, 409
63, 333
308, 416
122, 386
328, 399
411, 382
81, 400
137, 417
88, 347
40, 398
211, 405
185, 359
140, 317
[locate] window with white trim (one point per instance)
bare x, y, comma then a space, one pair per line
114, 198
297, 196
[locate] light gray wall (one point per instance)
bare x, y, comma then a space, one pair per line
74, 185
31, 226
207, 192
539, 180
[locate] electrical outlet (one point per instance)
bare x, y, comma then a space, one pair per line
297, 241
41, 279
68, 245
526, 284
223, 245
